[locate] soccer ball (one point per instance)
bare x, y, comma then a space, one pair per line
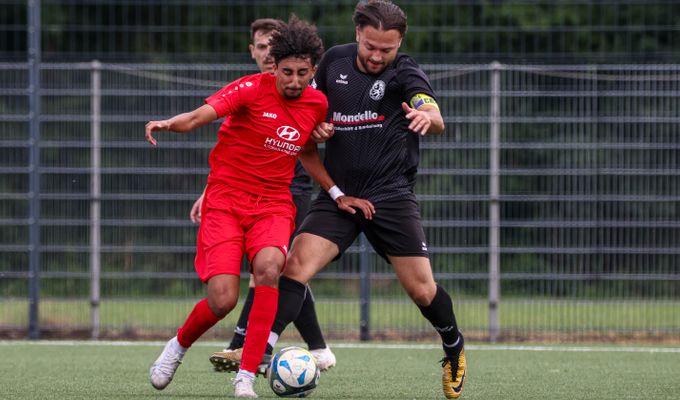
293, 372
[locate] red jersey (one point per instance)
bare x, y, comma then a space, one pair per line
258, 144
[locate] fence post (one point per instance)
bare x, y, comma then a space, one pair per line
365, 290
95, 205
494, 200
34, 168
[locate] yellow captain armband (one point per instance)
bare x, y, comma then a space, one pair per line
421, 99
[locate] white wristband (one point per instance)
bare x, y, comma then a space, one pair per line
335, 192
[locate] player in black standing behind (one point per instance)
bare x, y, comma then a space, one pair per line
380, 103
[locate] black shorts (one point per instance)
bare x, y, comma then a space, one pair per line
395, 230
302, 203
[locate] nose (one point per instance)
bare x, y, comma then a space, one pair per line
297, 82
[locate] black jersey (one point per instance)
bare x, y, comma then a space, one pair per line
372, 155
301, 185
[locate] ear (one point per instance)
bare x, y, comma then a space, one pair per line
357, 32
251, 47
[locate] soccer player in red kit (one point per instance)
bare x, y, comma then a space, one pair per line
247, 208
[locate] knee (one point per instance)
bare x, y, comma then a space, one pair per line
422, 295
294, 265
293, 260
266, 273
221, 304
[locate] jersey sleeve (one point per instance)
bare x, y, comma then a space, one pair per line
322, 110
413, 79
232, 97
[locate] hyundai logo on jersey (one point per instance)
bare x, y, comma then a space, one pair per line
288, 133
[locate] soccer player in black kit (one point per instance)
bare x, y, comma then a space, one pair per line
380, 103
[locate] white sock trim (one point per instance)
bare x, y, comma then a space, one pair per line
454, 344
273, 338
178, 347
245, 374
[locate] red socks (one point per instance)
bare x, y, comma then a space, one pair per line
259, 325
198, 322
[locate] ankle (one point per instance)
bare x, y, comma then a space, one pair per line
177, 347
453, 350
237, 341
243, 374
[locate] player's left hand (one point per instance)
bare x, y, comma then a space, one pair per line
323, 132
349, 203
195, 213
154, 126
420, 120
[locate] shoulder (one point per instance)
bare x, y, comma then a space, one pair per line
405, 62
409, 73
341, 51
251, 83
235, 94
315, 96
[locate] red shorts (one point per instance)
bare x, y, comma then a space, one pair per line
234, 223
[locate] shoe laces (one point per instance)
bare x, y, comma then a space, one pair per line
454, 366
169, 364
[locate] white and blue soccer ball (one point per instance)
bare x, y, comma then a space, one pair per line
293, 372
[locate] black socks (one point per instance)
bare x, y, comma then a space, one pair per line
308, 324
441, 316
242, 323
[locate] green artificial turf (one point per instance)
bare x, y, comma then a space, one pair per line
86, 370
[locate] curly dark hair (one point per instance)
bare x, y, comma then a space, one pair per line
297, 38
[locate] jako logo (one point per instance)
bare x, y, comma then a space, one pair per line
288, 133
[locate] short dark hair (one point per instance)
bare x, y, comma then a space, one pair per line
380, 14
264, 25
297, 38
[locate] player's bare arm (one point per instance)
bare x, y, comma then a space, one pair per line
311, 162
184, 122
426, 119
323, 132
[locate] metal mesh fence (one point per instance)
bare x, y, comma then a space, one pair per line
559, 184
453, 31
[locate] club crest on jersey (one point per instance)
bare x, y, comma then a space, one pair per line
288, 133
378, 90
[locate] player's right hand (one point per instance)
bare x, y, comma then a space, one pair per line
195, 213
153, 126
323, 132
350, 204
